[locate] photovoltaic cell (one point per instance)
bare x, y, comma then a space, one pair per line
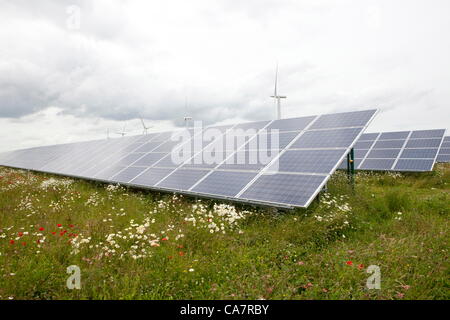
363, 145
389, 144
307, 161
149, 159
368, 136
182, 179
128, 174
151, 177
383, 153
294, 124
414, 165
443, 158
224, 183
424, 143
284, 188
346, 119
337, 138
109, 172
377, 164
272, 141
428, 134
248, 160
419, 153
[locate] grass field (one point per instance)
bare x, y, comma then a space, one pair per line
132, 244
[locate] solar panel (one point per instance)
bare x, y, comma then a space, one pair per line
399, 151
282, 163
444, 151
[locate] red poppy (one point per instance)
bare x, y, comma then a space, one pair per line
360, 266
181, 253
59, 225
11, 241
38, 241
349, 263
61, 234
20, 234
164, 239
24, 244
41, 229
71, 226
53, 232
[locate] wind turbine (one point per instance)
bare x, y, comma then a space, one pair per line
107, 134
186, 118
122, 133
276, 96
145, 127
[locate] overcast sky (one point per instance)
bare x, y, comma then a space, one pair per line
71, 69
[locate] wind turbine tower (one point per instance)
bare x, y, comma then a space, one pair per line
145, 131
276, 96
122, 133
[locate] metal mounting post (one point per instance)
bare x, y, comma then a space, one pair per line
351, 167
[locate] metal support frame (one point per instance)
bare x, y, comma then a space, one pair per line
351, 167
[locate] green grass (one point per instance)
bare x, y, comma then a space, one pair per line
396, 221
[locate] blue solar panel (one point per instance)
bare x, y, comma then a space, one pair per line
182, 179
336, 138
308, 161
383, 153
224, 183
271, 140
368, 136
419, 153
149, 159
363, 145
249, 160
151, 177
127, 174
377, 164
402, 135
414, 165
427, 134
443, 158
346, 119
424, 143
389, 144
109, 172
294, 124
289, 189
403, 145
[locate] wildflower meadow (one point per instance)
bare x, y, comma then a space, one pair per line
138, 244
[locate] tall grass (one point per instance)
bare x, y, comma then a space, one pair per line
132, 244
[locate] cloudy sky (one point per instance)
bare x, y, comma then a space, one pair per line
71, 69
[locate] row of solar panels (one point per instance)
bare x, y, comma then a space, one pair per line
401, 151
297, 162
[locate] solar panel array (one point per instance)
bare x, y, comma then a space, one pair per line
292, 173
444, 152
398, 151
